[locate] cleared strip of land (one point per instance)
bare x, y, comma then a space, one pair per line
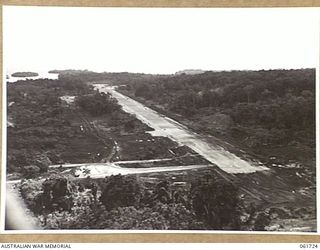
101, 170
164, 126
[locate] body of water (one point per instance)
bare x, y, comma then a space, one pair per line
42, 75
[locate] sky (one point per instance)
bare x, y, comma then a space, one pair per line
159, 40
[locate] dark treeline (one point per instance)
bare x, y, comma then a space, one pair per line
121, 78
127, 202
259, 108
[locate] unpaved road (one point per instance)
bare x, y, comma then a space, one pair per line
164, 126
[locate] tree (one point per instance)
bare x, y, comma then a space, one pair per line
216, 203
31, 171
142, 90
129, 126
57, 193
98, 103
121, 191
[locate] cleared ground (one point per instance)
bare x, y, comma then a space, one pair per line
164, 126
101, 170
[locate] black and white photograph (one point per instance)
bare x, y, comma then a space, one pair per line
159, 119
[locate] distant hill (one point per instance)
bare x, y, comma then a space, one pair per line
190, 72
24, 74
